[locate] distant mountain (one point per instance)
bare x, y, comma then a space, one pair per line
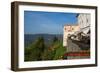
29, 38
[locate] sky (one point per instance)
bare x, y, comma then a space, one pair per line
38, 22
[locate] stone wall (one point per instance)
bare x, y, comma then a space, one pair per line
81, 50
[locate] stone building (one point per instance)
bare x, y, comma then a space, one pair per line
78, 48
68, 30
83, 25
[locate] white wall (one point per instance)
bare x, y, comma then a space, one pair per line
5, 26
82, 20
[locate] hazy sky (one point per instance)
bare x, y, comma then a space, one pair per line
36, 22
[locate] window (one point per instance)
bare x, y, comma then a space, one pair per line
87, 20
72, 28
65, 29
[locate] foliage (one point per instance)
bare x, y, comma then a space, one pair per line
60, 50
33, 51
55, 39
39, 51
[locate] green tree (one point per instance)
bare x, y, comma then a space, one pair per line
55, 39
34, 51
40, 45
